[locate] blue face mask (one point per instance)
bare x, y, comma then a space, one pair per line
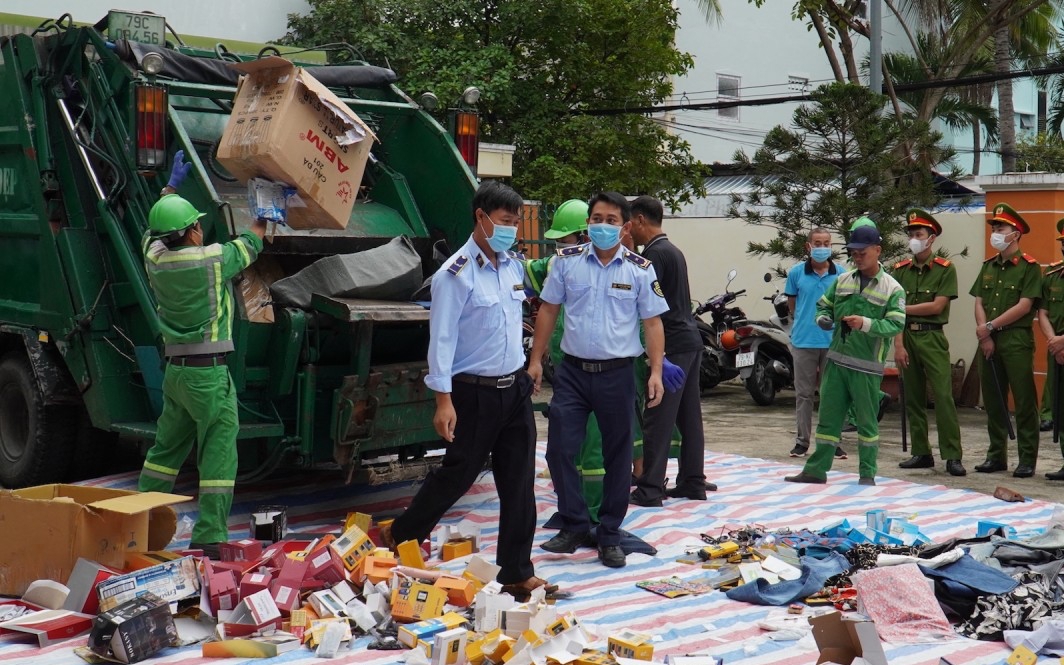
604, 236
502, 237
820, 254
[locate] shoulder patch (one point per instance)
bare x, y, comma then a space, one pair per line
1028, 258
458, 265
941, 261
902, 264
656, 286
640, 261
576, 250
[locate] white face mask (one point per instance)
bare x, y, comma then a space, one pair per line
1000, 241
916, 245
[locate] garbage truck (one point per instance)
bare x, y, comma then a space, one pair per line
90, 119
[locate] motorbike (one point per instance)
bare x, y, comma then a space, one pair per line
718, 336
764, 359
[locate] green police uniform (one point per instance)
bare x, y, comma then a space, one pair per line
1053, 303
1000, 284
191, 286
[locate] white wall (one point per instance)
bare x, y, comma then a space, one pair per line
257, 21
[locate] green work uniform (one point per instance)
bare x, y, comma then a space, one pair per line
929, 359
1053, 303
1000, 284
855, 364
192, 289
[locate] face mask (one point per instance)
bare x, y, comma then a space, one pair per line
604, 236
820, 254
916, 245
1000, 241
502, 237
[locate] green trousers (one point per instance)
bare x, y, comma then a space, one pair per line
929, 365
199, 407
1013, 362
839, 389
1046, 412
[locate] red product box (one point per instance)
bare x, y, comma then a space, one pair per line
222, 590
82, 584
285, 595
325, 565
293, 571
241, 550
253, 583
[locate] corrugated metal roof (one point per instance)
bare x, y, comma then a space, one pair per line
733, 184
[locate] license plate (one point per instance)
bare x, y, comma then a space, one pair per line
745, 359
144, 28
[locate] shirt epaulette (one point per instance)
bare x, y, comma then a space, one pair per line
902, 264
992, 258
458, 265
1028, 258
1054, 267
640, 261
941, 261
576, 250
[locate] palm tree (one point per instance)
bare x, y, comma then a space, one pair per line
711, 10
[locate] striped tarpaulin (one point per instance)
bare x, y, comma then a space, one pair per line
606, 600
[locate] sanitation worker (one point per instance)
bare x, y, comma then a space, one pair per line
191, 285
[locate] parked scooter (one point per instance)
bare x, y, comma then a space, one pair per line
764, 359
718, 336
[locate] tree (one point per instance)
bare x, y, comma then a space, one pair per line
538, 65
839, 160
1044, 152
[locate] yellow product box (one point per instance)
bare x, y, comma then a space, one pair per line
629, 644
361, 520
410, 554
453, 549
352, 547
410, 633
460, 592
448, 647
415, 601
378, 569
558, 625
594, 658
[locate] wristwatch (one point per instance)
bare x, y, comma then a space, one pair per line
989, 326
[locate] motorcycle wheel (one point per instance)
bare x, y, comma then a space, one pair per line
708, 372
760, 384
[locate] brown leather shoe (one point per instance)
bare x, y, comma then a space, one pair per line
522, 591
804, 477
387, 540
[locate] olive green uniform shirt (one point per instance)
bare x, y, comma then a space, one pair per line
924, 283
1053, 295
1001, 283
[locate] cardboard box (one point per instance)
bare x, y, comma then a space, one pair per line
410, 554
83, 581
378, 569
134, 631
139, 560
222, 591
325, 565
58, 524
253, 583
410, 633
288, 127
460, 591
269, 522
414, 601
352, 547
241, 550
629, 644
448, 647
48, 626
255, 612
265, 646
842, 638
454, 549
285, 595
172, 581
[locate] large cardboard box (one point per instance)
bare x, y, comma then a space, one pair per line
58, 524
841, 638
288, 127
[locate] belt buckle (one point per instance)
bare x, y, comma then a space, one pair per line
914, 327
591, 367
506, 381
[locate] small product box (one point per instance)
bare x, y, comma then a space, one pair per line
325, 565
83, 581
241, 550
172, 581
222, 590
460, 591
629, 644
414, 601
269, 523
134, 631
256, 612
327, 604
353, 546
253, 583
448, 647
454, 549
410, 633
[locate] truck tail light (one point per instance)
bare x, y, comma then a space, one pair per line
467, 137
152, 105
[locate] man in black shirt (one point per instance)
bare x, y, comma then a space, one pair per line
683, 347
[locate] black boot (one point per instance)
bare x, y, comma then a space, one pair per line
918, 462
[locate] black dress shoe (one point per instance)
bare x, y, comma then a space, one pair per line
1056, 475
1023, 471
918, 462
638, 499
689, 492
566, 542
867, 481
990, 466
955, 468
612, 556
1045, 426
804, 477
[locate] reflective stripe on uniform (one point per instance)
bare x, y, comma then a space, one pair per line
167, 471
216, 486
827, 437
199, 348
218, 302
867, 441
858, 364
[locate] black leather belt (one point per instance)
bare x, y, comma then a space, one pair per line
923, 326
488, 381
207, 360
596, 366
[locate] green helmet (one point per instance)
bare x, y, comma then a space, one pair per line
570, 217
862, 221
171, 214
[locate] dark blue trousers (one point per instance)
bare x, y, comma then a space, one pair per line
610, 395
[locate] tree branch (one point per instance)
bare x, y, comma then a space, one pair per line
908, 33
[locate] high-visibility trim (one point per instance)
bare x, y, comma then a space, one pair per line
215, 490
165, 477
858, 364
243, 252
150, 466
218, 285
199, 348
592, 473
868, 443
826, 437
216, 483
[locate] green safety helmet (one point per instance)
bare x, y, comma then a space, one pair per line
570, 217
171, 214
862, 221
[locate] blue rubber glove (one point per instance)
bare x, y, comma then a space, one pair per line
180, 170
672, 376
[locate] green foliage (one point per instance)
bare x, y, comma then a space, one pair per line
1042, 152
536, 63
841, 158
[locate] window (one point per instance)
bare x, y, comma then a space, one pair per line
1027, 121
728, 90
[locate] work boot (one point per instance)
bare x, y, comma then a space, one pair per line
866, 481
1023, 470
840, 453
566, 542
637, 498
804, 477
799, 451
1056, 475
990, 466
918, 462
955, 468
1045, 426
612, 556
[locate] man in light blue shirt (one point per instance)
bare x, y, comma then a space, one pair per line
607, 290
806, 283
483, 397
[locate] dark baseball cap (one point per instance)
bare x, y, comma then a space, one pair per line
864, 236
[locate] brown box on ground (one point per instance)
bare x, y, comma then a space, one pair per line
57, 524
288, 127
843, 638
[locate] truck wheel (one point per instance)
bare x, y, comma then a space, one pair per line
35, 439
760, 384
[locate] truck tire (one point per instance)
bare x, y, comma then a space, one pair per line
760, 384
35, 439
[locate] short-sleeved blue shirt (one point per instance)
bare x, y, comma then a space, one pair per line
603, 303
807, 287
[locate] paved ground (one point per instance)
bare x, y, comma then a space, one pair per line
734, 424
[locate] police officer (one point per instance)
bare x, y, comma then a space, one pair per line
681, 408
606, 290
191, 285
483, 399
922, 350
866, 307
1051, 321
1005, 291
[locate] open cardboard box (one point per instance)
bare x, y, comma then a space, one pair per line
57, 524
841, 638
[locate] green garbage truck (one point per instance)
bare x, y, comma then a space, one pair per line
90, 119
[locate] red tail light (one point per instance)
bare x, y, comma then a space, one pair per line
744, 331
152, 105
467, 137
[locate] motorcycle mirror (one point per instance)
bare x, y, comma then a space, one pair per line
731, 275
768, 277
